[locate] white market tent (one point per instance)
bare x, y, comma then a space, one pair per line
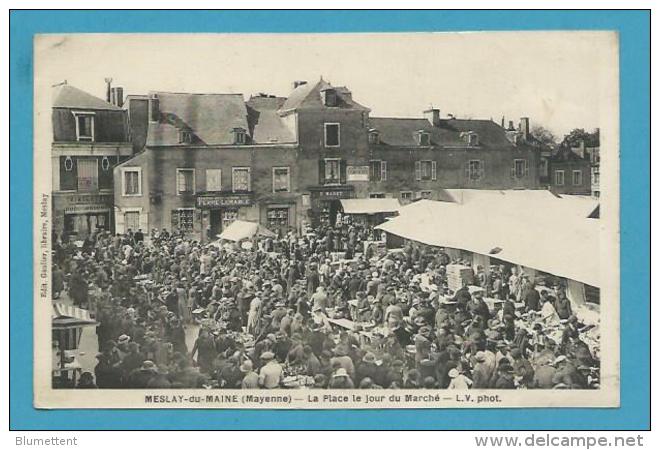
240, 229
531, 228
370, 205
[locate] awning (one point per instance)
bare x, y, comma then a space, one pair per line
534, 229
240, 229
370, 205
65, 316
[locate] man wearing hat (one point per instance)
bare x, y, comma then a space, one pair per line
141, 376
478, 307
341, 380
505, 376
522, 367
367, 368
458, 380
341, 357
271, 373
481, 373
250, 377
544, 375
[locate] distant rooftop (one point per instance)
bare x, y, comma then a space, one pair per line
66, 96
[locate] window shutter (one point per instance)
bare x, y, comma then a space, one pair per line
119, 221
383, 171
434, 170
482, 169
342, 171
467, 170
526, 172
513, 169
418, 170
175, 219
321, 171
144, 223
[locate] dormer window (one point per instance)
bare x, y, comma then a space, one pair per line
185, 137
84, 126
374, 136
471, 138
423, 138
329, 97
240, 136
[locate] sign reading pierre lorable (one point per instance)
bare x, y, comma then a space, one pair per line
210, 201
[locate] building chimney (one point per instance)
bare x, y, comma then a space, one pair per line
108, 90
299, 83
119, 96
524, 127
154, 108
511, 127
433, 116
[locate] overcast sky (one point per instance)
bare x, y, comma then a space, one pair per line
555, 78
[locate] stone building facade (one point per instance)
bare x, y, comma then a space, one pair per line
571, 172
90, 137
209, 159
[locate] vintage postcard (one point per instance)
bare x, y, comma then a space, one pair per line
396, 220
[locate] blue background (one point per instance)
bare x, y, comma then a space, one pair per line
634, 31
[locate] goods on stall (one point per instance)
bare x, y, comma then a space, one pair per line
457, 274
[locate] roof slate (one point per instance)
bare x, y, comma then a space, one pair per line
210, 117
402, 131
266, 125
66, 96
308, 95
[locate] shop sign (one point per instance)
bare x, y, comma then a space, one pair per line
357, 173
223, 201
334, 194
86, 199
79, 209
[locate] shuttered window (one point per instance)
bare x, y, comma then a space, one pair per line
240, 179
577, 178
281, 179
426, 171
332, 171
474, 170
520, 168
213, 180
185, 181
88, 174
132, 220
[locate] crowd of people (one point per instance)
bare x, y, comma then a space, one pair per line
323, 310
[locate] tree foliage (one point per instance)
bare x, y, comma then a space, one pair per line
544, 136
573, 139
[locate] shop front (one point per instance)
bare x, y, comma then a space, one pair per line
280, 218
220, 209
370, 211
326, 203
77, 215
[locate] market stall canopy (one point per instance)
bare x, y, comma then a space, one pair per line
240, 229
65, 316
370, 205
536, 229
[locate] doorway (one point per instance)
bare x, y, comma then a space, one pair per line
215, 223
